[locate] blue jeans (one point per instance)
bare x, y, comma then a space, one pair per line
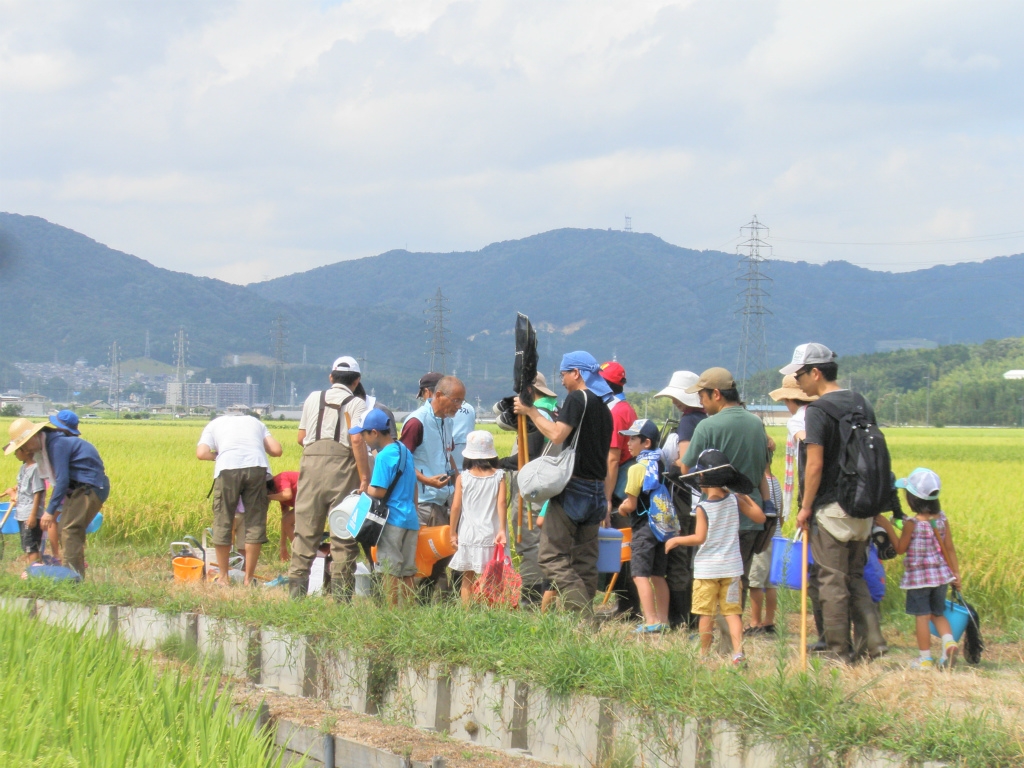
583, 501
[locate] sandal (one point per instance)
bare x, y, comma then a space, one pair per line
649, 629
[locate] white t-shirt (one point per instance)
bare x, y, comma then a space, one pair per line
798, 421
237, 440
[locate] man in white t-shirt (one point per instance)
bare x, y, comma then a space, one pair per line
238, 445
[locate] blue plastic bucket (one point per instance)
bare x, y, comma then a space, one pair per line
786, 558
609, 550
957, 616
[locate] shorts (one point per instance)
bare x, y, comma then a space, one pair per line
431, 514
711, 596
648, 557
396, 551
760, 565
250, 485
927, 601
31, 538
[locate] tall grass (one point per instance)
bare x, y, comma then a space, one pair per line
72, 699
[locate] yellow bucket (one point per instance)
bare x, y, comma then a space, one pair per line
187, 569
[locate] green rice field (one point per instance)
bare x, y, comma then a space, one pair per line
159, 494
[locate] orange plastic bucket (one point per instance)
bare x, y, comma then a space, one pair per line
187, 569
627, 544
433, 544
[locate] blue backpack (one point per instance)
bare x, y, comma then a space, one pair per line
661, 512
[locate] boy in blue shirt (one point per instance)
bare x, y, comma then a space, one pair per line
396, 549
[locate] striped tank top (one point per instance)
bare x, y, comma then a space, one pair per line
719, 556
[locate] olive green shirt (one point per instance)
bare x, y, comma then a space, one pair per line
740, 435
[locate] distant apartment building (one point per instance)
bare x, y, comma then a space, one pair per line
211, 395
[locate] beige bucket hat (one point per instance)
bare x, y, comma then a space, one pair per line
20, 432
540, 384
790, 390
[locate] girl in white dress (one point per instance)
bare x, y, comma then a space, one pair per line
478, 517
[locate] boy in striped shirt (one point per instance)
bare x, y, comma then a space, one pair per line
718, 565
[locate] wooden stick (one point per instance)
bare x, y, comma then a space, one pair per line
521, 437
803, 603
611, 586
524, 451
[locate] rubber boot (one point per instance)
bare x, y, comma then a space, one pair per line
297, 589
679, 608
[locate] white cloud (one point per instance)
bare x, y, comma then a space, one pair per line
231, 139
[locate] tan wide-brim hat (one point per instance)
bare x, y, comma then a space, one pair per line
790, 390
20, 432
540, 384
677, 387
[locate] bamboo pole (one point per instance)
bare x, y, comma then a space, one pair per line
803, 603
521, 437
611, 586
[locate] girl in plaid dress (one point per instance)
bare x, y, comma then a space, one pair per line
930, 566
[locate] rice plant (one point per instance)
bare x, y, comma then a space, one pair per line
72, 699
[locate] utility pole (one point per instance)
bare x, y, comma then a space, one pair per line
181, 364
438, 334
146, 354
897, 410
279, 335
629, 224
928, 402
754, 253
114, 388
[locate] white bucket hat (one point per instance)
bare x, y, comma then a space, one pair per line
479, 445
677, 386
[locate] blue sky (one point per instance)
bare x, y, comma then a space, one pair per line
244, 140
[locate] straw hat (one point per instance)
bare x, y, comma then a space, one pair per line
21, 431
540, 384
677, 387
479, 445
790, 390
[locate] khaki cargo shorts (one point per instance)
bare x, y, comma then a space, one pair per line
250, 485
711, 596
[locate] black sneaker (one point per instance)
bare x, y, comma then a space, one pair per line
768, 629
749, 631
819, 647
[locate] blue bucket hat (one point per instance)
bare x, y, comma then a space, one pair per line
66, 420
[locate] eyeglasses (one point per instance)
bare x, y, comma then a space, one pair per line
456, 400
798, 374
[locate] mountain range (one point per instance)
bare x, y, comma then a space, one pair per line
654, 306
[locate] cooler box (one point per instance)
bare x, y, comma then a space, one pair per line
609, 550
786, 562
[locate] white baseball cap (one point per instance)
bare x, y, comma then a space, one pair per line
344, 364
922, 482
809, 354
677, 387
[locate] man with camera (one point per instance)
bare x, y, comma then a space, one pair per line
428, 433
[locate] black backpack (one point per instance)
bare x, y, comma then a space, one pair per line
864, 485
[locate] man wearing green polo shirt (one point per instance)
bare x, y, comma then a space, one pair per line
740, 435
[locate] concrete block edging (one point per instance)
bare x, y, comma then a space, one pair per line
474, 707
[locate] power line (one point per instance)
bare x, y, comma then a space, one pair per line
279, 336
753, 352
437, 332
937, 241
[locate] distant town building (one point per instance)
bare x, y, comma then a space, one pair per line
211, 395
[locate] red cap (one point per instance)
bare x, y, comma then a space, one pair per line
613, 373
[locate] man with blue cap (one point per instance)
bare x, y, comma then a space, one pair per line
569, 538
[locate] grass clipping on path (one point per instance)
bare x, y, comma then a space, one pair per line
72, 699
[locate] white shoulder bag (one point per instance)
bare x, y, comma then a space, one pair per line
546, 476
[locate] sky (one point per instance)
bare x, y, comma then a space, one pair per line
247, 140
